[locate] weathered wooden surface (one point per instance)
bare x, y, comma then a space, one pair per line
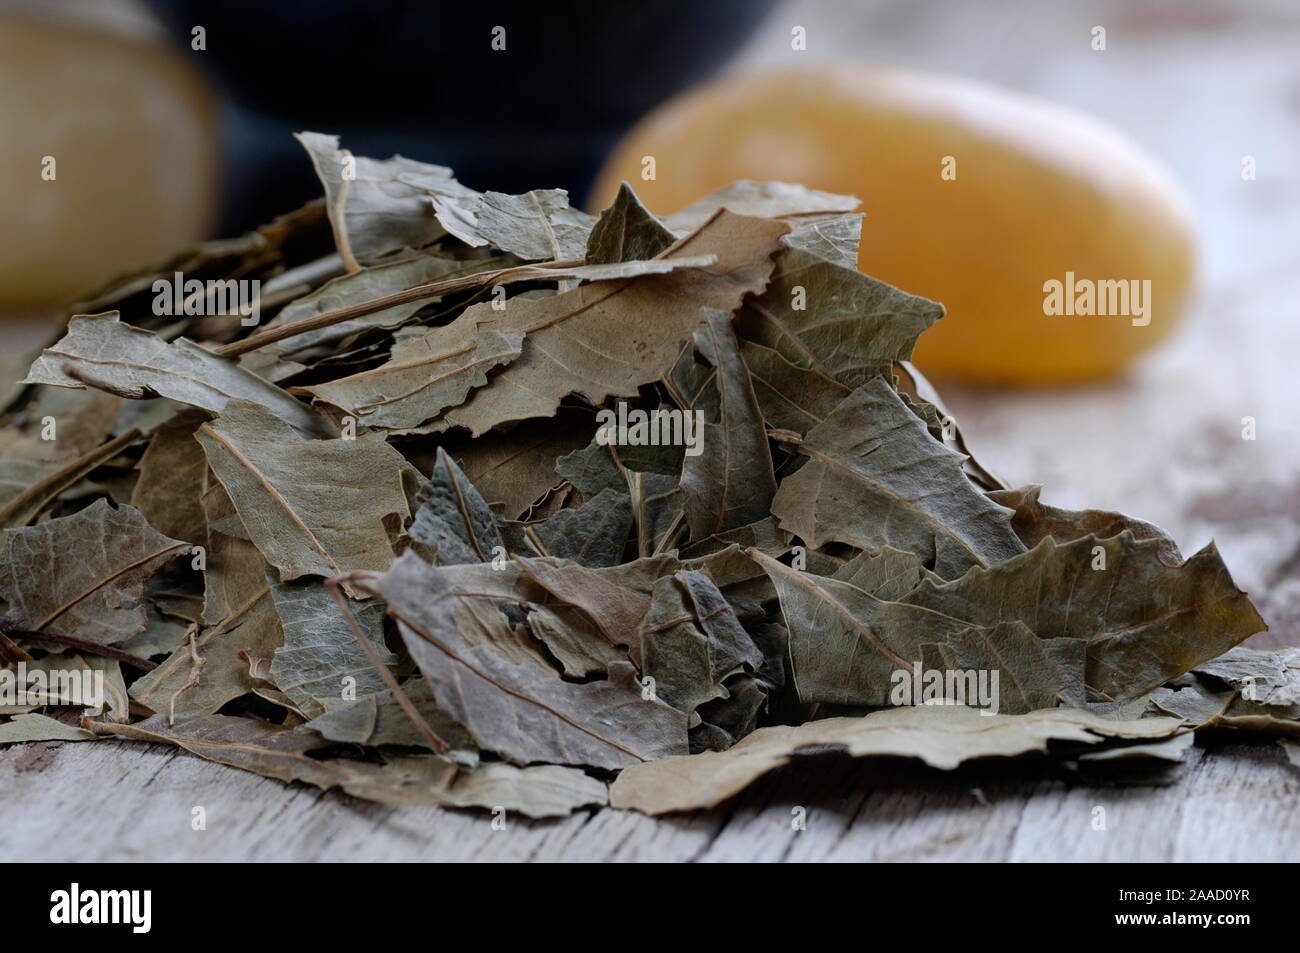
105, 801
1201, 84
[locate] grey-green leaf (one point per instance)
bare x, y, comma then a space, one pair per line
453, 523
509, 698
593, 534
423, 377
876, 477
321, 666
727, 478
1144, 622
835, 320
83, 575
313, 507
626, 231
691, 642
371, 209
105, 353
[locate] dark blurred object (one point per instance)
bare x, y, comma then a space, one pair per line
422, 79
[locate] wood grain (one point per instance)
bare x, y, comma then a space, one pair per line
1235, 803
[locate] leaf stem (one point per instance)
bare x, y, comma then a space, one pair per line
332, 584
63, 476
432, 289
85, 645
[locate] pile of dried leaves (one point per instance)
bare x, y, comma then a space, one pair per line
392, 539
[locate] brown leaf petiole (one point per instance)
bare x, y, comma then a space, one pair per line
333, 584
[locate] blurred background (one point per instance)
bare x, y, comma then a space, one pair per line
1164, 146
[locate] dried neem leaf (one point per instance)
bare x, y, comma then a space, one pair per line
164, 631
1034, 521
234, 573
313, 507
62, 678
1029, 677
568, 639
914, 385
889, 574
1208, 708
453, 523
28, 486
83, 575
281, 753
639, 322
942, 737
615, 610
740, 579
320, 666
1144, 622
1261, 693
304, 230
604, 464
423, 377
1156, 764
593, 534
764, 199
726, 720
845, 644
817, 432
834, 236
50, 681
102, 352
791, 397
533, 226
593, 468
539, 791
379, 719
259, 671
1197, 705
18, 476
365, 285
371, 210
565, 272
582, 634
835, 320
627, 231
876, 477
1292, 750
284, 754
658, 512
728, 481
1266, 677
509, 698
206, 672
691, 642
33, 726
656, 503
515, 467
83, 420
1250, 716
173, 477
